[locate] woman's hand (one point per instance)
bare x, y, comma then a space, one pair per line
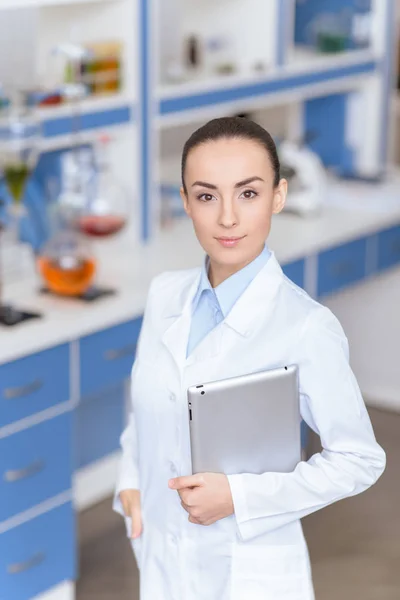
206, 497
130, 500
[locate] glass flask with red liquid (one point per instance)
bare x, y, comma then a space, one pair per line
66, 263
106, 210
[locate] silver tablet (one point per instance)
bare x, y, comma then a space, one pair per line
246, 424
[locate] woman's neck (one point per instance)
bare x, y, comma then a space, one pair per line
218, 273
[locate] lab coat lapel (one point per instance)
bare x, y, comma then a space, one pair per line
253, 307
178, 320
256, 304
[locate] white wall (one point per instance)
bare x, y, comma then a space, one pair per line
370, 316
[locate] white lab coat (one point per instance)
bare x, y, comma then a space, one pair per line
260, 552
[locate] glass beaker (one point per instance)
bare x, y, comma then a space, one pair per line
106, 210
66, 263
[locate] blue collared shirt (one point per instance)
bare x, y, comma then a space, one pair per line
212, 305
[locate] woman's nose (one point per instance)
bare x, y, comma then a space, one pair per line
227, 216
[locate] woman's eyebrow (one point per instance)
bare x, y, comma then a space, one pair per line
247, 181
239, 184
210, 186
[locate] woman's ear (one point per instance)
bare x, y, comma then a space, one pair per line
185, 201
280, 194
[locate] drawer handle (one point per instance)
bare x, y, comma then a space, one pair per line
29, 471
32, 562
342, 269
25, 390
120, 352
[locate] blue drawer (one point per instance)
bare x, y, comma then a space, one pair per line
99, 422
107, 356
38, 554
34, 383
389, 248
35, 464
341, 266
295, 272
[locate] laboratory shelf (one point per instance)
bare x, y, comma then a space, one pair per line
7, 4
103, 113
247, 92
305, 58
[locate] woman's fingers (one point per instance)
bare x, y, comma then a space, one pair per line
136, 514
130, 500
185, 506
193, 520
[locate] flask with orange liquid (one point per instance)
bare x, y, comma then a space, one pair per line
66, 263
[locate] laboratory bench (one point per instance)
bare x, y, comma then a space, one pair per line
64, 390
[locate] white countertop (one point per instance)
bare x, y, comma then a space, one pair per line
354, 210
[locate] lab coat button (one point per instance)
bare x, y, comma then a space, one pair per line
172, 467
172, 397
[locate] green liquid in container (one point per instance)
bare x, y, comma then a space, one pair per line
16, 176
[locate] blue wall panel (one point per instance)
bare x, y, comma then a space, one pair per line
325, 124
308, 10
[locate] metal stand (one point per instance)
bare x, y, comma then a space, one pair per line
92, 294
10, 316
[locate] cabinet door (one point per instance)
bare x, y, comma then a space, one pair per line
35, 464
342, 266
389, 248
99, 421
106, 357
38, 554
34, 383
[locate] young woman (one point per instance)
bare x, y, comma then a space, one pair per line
210, 536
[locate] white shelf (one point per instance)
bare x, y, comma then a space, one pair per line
92, 107
8, 4
301, 60
88, 105
304, 58
307, 74
201, 84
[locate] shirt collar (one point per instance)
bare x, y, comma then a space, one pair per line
230, 290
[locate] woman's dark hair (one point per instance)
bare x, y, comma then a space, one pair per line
230, 128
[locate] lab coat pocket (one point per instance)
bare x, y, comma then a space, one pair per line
264, 572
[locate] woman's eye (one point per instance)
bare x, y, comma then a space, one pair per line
206, 197
249, 194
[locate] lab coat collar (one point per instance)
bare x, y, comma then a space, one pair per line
178, 316
257, 300
255, 303
184, 296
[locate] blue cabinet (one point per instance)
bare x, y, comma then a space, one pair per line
38, 554
342, 266
99, 421
389, 248
295, 271
34, 383
106, 357
35, 464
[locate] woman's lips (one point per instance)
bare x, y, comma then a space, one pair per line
229, 242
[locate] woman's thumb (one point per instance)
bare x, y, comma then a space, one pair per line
136, 515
